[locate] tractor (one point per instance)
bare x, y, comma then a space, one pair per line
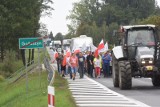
136, 54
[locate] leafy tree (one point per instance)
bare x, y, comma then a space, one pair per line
20, 18
42, 31
152, 20
58, 36
51, 36
101, 17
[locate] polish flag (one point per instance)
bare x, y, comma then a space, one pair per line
106, 46
100, 47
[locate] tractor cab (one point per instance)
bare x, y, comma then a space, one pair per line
140, 41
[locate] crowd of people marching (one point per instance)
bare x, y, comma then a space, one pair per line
95, 66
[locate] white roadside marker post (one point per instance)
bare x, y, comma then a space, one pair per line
51, 98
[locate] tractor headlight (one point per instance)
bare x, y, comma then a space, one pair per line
143, 62
150, 62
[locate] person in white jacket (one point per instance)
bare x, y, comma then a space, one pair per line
97, 65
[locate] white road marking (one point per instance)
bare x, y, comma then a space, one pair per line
89, 93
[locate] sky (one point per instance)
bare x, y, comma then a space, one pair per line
57, 21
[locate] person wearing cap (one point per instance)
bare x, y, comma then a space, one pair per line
106, 58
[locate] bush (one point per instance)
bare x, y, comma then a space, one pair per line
8, 65
1, 78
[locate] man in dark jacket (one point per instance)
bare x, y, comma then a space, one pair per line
90, 65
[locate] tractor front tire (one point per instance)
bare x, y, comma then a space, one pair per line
125, 75
156, 80
115, 73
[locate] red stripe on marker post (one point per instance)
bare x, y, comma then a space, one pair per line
51, 98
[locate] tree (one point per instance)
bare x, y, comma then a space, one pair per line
88, 16
51, 36
20, 18
152, 20
60, 37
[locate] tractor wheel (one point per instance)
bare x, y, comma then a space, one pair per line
156, 80
115, 73
125, 75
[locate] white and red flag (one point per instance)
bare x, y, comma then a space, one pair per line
99, 48
101, 45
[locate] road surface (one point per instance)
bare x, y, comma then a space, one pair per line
142, 90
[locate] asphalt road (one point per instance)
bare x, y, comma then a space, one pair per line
142, 90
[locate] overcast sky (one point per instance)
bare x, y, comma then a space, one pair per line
57, 21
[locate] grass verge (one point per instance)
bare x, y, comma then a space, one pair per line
63, 96
15, 95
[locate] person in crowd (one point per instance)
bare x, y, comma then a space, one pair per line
100, 55
110, 64
63, 64
67, 64
74, 64
97, 65
106, 58
90, 64
81, 62
87, 62
77, 55
58, 63
85, 65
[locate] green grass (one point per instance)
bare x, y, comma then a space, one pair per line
14, 95
17, 65
63, 97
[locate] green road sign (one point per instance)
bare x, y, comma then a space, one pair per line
30, 43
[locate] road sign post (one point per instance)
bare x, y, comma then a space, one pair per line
30, 43
39, 68
26, 71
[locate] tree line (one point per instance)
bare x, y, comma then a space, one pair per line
99, 18
20, 19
